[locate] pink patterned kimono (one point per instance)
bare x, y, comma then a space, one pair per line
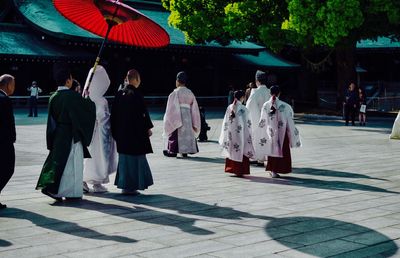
182, 121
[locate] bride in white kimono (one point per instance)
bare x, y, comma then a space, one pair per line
181, 120
396, 128
276, 134
102, 147
235, 138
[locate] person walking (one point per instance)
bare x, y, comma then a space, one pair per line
181, 120
131, 128
70, 125
277, 133
102, 148
7, 131
34, 95
235, 138
258, 97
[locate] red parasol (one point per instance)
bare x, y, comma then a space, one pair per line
115, 21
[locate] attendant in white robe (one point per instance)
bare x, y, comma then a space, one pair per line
235, 138
396, 128
181, 120
276, 134
102, 147
258, 97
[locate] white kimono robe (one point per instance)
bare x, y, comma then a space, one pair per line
235, 138
183, 114
102, 147
254, 104
396, 128
272, 128
71, 180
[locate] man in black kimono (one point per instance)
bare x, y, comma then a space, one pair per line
7, 131
131, 128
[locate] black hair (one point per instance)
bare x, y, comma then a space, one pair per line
182, 77
61, 73
238, 94
75, 84
275, 90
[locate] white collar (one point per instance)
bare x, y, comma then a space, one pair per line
4, 92
62, 88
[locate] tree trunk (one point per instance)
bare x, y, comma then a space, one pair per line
346, 69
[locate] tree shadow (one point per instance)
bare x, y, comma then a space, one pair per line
322, 237
184, 206
4, 243
332, 173
65, 227
319, 184
378, 130
140, 214
206, 159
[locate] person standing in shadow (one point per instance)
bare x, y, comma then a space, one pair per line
351, 101
7, 131
34, 92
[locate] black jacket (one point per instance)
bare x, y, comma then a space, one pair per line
7, 122
130, 122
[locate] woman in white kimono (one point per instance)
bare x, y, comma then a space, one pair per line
102, 147
276, 135
396, 128
235, 138
181, 120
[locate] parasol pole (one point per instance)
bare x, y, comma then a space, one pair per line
110, 23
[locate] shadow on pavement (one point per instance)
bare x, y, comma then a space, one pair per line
209, 160
66, 227
386, 131
331, 173
319, 184
184, 206
4, 243
141, 214
321, 237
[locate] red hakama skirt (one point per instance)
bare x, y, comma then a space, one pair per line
238, 168
281, 165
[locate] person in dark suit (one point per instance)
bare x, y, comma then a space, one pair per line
7, 131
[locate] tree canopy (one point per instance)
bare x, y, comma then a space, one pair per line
304, 24
275, 23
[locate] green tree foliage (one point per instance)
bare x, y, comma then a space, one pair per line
306, 24
303, 23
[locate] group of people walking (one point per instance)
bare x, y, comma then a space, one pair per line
87, 142
83, 127
263, 131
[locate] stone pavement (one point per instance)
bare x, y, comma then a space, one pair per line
342, 200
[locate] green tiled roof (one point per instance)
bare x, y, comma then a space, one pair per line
18, 40
379, 43
265, 59
42, 15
